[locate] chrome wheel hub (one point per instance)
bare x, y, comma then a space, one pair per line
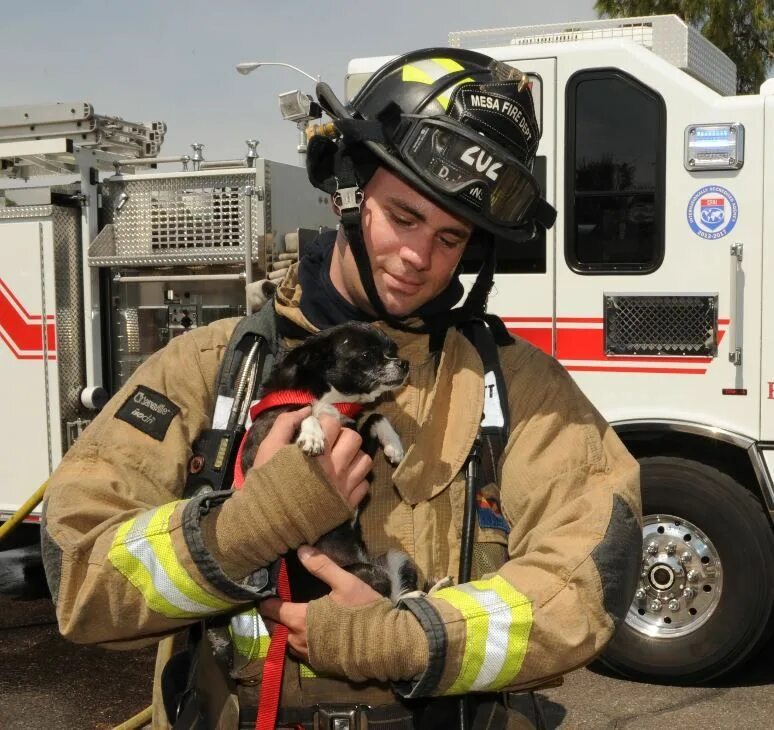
681, 578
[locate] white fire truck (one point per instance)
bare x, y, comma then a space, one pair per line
109, 260
649, 289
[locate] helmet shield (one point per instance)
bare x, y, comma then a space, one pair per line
462, 163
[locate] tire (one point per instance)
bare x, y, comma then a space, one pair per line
692, 508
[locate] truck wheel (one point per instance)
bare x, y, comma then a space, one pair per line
707, 582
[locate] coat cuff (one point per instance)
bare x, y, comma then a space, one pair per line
342, 641
284, 504
437, 643
255, 586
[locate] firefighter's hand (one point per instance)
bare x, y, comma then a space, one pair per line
344, 464
280, 434
346, 590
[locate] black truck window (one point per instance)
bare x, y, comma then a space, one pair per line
615, 172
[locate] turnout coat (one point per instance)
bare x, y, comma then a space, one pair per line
557, 545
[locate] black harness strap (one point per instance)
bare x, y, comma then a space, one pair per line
485, 335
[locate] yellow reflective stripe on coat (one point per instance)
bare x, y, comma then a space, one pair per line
306, 672
498, 621
249, 635
143, 553
429, 70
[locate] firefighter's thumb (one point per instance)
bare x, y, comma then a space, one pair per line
346, 589
320, 565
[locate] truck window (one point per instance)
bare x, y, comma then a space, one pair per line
614, 205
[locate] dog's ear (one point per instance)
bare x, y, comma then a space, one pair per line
305, 367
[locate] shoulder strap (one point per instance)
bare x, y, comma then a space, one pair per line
258, 324
259, 327
484, 335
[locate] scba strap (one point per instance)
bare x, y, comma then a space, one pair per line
485, 335
246, 364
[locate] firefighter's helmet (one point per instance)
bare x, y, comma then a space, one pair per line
457, 125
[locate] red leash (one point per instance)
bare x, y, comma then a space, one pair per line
271, 684
274, 664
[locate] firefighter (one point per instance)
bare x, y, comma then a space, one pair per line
433, 155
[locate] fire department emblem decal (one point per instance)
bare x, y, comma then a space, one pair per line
712, 212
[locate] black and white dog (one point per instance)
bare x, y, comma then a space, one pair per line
352, 363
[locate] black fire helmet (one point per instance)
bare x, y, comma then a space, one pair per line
457, 126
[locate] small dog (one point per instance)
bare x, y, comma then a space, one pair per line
349, 363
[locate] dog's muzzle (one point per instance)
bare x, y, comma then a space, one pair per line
396, 371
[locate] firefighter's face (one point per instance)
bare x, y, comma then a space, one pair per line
413, 246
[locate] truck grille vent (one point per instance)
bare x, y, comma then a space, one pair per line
670, 325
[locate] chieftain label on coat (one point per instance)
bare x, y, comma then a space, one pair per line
149, 412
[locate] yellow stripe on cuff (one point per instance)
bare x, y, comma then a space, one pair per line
142, 551
498, 621
306, 672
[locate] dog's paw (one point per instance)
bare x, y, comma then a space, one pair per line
381, 429
311, 438
394, 452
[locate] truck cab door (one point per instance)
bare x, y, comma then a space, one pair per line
651, 302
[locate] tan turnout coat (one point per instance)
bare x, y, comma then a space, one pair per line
130, 561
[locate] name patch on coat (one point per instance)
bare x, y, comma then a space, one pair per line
149, 412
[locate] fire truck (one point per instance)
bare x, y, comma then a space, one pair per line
650, 289
105, 256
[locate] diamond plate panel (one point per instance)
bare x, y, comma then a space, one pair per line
669, 325
71, 364
13, 212
666, 35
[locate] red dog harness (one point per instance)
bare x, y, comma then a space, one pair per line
286, 398
271, 684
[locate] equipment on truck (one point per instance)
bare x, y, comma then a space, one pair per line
651, 289
96, 275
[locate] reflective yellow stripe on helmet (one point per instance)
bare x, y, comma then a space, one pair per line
143, 553
249, 635
430, 70
498, 621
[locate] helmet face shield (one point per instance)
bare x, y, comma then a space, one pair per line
457, 161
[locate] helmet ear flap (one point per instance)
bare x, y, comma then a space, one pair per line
325, 157
321, 163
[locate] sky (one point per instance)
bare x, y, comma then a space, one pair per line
173, 60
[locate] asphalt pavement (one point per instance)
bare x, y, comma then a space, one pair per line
46, 682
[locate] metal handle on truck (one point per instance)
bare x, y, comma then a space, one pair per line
737, 304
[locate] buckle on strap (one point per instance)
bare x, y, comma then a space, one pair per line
347, 199
339, 717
